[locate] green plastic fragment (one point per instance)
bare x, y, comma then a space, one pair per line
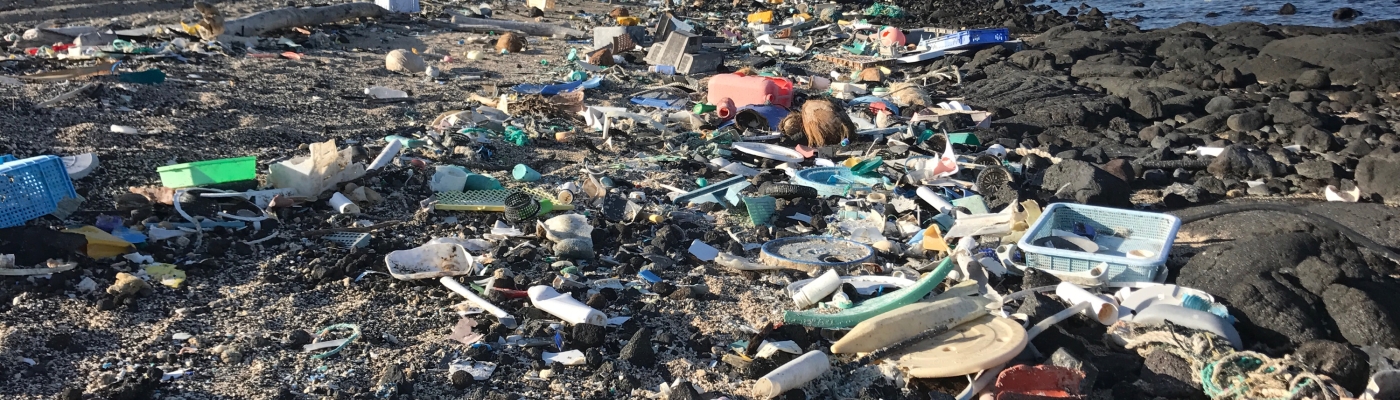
964, 138
876, 306
516, 136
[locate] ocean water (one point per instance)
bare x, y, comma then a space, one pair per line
1168, 13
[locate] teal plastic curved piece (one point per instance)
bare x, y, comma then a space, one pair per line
876, 306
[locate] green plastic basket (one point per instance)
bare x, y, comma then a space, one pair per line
209, 172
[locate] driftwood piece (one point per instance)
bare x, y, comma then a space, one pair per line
530, 28
469, 28
258, 23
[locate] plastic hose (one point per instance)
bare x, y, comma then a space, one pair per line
980, 383
870, 308
1055, 319
1355, 236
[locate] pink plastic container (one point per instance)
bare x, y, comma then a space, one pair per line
750, 90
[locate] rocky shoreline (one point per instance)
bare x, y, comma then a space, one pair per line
1182, 119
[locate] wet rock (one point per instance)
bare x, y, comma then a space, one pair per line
1084, 183
71, 394
1362, 317
296, 339
1314, 79
1219, 104
1319, 169
59, 341
1180, 195
1375, 175
1236, 162
638, 350
1233, 78
231, 355
1345, 14
1039, 306
1169, 376
1351, 59
684, 391
461, 380
1299, 97
1271, 308
588, 335
1211, 185
1064, 358
1245, 122
684, 292
1313, 139
1346, 365
1287, 9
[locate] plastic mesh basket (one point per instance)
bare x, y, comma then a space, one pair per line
1118, 232
489, 200
31, 188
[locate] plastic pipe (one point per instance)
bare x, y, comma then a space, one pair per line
1096, 276
501, 315
1105, 311
792, 375
873, 307
385, 156
565, 307
938, 202
817, 290
343, 204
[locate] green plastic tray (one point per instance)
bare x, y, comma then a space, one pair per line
209, 172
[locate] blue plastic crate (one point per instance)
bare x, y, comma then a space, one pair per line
1118, 232
966, 38
31, 188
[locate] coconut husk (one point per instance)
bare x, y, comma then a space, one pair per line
212, 24
791, 126
405, 62
602, 57
511, 42
871, 74
907, 94
825, 123
619, 12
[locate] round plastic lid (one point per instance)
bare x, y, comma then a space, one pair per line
765, 150
984, 343
809, 252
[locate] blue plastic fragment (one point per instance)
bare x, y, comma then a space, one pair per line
550, 90
649, 276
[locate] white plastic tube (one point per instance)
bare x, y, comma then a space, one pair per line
385, 156
938, 202
792, 375
1105, 311
565, 307
819, 288
501, 315
343, 204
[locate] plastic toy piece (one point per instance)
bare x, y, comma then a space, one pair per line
984, 343
565, 307
792, 375
909, 321
873, 307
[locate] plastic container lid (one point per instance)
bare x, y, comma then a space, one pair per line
765, 150
983, 343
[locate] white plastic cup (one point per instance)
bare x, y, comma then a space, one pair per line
343, 204
447, 178
938, 202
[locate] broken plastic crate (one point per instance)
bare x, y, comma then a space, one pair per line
965, 38
209, 172
31, 188
1117, 233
